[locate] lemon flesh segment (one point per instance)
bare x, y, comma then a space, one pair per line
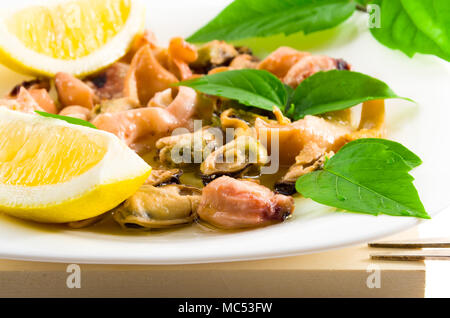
77, 36
28, 158
55, 172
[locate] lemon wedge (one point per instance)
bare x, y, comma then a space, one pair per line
79, 37
55, 172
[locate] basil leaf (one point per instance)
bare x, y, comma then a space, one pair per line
70, 120
366, 177
415, 26
250, 87
363, 2
410, 158
255, 18
336, 90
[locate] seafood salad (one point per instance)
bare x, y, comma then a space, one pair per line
232, 138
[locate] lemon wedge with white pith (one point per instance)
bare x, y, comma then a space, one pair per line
55, 172
78, 37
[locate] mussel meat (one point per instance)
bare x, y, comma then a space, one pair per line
159, 207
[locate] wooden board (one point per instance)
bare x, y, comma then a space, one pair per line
338, 273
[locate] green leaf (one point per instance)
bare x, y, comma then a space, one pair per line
415, 26
336, 90
410, 158
366, 177
70, 120
257, 18
250, 87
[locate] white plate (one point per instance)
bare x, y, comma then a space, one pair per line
424, 128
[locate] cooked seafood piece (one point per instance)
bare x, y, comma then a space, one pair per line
185, 103
234, 204
292, 66
234, 158
219, 69
37, 83
280, 61
343, 116
342, 65
76, 112
146, 77
88, 222
294, 136
188, 148
164, 177
177, 58
180, 69
29, 100
134, 124
72, 91
313, 154
38, 89
162, 99
181, 50
311, 158
143, 39
43, 99
114, 106
110, 83
240, 120
159, 207
23, 102
308, 66
244, 61
213, 54
372, 122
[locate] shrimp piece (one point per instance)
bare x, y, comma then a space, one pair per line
146, 77
76, 112
38, 89
24, 102
181, 50
234, 204
143, 39
42, 97
308, 66
72, 91
110, 83
180, 54
294, 136
280, 61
